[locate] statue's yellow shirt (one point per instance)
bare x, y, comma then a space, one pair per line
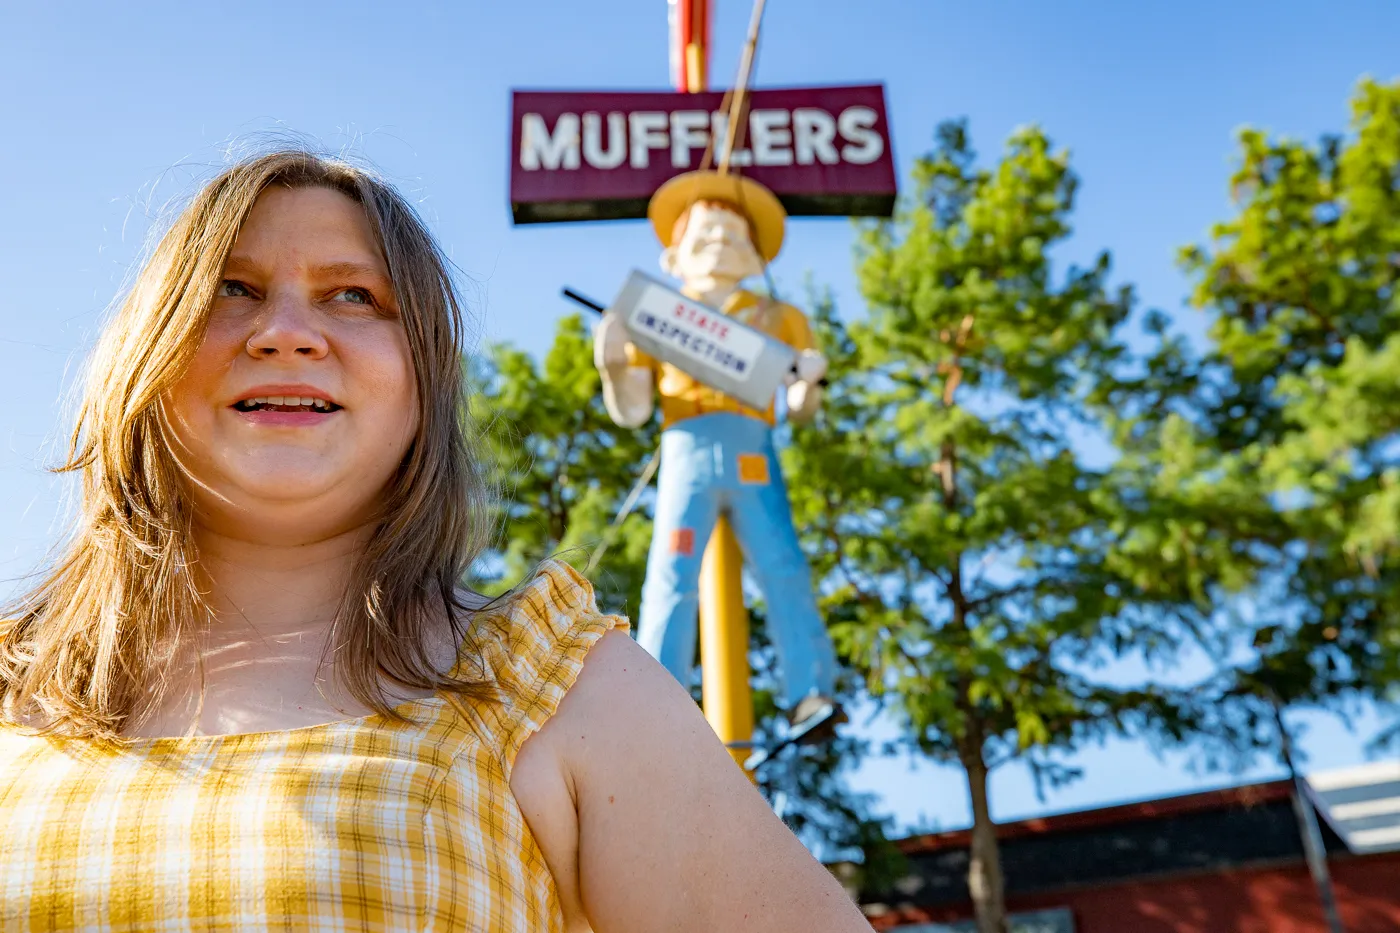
683, 396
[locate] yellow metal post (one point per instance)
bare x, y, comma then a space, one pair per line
724, 641
695, 68
724, 621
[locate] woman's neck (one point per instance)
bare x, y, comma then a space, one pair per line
272, 590
258, 665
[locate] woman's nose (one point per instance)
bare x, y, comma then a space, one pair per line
288, 326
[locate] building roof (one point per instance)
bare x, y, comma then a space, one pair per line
1249, 795
1211, 831
1362, 804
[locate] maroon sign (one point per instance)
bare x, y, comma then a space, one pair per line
584, 155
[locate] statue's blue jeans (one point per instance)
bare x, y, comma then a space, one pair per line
725, 462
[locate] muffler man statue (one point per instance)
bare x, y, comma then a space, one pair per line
717, 454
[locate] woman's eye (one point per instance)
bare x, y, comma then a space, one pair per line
228, 288
354, 295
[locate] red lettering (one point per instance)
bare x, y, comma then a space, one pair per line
716, 326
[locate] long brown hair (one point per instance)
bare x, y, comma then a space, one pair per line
88, 650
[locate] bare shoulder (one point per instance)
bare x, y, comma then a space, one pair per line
670, 834
617, 675
543, 780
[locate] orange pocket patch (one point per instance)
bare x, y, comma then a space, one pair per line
683, 542
753, 469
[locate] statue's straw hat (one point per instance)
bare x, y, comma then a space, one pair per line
753, 200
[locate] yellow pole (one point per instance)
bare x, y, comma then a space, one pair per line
724, 621
695, 68
724, 641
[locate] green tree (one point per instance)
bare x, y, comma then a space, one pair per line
562, 468
564, 471
1298, 404
980, 550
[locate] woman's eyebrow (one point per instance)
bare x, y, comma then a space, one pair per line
239, 264
242, 265
338, 269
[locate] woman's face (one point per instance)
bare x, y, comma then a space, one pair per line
300, 403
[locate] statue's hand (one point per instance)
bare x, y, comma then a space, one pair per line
627, 389
803, 399
811, 367
610, 343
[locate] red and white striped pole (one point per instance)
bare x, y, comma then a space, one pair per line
724, 620
690, 44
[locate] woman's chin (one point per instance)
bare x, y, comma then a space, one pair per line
310, 487
309, 490
288, 491
286, 513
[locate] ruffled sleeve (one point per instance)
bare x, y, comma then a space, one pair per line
535, 649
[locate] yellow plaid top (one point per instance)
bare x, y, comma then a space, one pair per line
365, 824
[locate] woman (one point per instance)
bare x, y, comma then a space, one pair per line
250, 694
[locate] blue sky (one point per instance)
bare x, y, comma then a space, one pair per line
109, 110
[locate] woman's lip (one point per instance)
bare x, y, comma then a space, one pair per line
285, 419
285, 390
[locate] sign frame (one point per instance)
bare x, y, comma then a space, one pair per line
599, 155
710, 346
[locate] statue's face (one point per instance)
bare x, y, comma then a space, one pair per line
714, 244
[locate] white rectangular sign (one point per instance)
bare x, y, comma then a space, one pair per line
706, 336
708, 345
